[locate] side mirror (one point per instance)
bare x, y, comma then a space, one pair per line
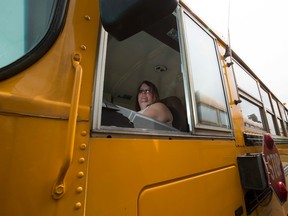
124, 18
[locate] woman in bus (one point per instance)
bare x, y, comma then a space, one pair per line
148, 103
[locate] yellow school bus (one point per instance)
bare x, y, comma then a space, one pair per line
73, 144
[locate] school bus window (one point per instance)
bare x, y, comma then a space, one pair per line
31, 29
211, 113
284, 120
207, 82
275, 106
281, 127
271, 123
269, 111
282, 111
266, 100
252, 114
245, 82
152, 55
26, 28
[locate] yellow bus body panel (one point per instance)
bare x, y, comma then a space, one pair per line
133, 173
107, 176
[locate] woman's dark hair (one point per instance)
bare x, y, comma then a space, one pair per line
154, 89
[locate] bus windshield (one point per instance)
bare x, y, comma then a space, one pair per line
23, 25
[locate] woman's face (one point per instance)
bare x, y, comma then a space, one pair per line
145, 96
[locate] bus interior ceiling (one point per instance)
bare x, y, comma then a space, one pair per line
151, 55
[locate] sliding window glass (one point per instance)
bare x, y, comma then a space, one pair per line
269, 111
253, 104
275, 106
284, 118
210, 106
246, 82
252, 115
281, 127
280, 123
271, 124
282, 111
266, 99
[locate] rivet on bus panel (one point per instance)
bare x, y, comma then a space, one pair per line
79, 189
80, 174
83, 146
81, 160
83, 47
78, 205
77, 57
88, 18
84, 133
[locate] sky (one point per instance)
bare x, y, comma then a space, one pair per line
258, 35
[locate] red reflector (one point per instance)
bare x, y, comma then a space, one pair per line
283, 192
269, 141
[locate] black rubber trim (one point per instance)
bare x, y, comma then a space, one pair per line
257, 139
42, 47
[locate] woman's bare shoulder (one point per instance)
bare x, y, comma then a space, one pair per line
159, 105
160, 109
160, 112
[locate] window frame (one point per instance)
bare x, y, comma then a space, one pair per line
278, 117
275, 112
251, 99
273, 121
243, 90
262, 114
99, 90
270, 109
205, 130
202, 128
276, 109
